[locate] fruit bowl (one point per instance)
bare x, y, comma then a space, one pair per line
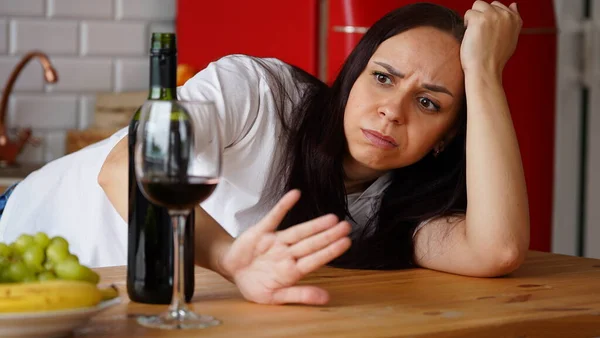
49, 324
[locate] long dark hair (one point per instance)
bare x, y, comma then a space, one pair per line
316, 144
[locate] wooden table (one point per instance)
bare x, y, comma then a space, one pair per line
549, 296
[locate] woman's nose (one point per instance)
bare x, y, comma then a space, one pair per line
393, 111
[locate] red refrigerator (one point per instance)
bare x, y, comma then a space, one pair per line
318, 35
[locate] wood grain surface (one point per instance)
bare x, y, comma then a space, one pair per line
549, 296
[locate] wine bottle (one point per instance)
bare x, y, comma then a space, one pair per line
150, 236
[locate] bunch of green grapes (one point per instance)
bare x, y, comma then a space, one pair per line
38, 258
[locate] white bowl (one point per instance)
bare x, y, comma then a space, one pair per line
49, 324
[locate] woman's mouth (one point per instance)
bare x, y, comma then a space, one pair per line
379, 140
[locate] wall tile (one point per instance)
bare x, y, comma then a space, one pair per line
22, 7
160, 27
82, 75
81, 9
3, 36
146, 9
52, 37
31, 77
41, 111
131, 74
110, 38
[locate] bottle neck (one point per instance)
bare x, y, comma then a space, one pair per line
163, 76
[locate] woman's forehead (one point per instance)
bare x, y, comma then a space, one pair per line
427, 50
424, 41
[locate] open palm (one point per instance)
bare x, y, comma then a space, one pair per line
266, 264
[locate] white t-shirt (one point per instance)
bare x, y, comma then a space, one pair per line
64, 198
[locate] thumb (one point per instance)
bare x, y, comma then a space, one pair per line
514, 7
310, 295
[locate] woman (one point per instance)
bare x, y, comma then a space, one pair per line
391, 149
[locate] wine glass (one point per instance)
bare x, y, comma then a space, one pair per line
177, 165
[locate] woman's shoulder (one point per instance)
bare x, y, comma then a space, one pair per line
270, 70
251, 63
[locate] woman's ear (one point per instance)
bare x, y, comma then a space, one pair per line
441, 145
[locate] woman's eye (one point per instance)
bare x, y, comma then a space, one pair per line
428, 104
382, 78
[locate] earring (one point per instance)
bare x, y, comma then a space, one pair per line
438, 149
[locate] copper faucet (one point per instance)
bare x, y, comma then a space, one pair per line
9, 149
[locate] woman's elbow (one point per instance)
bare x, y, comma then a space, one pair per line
504, 257
503, 261
103, 178
114, 170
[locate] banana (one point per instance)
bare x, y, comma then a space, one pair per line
109, 292
48, 296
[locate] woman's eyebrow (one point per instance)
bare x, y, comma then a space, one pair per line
429, 86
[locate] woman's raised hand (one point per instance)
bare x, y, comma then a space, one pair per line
266, 264
491, 36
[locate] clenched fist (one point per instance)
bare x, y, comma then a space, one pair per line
492, 32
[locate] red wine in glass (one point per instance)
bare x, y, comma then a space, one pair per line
174, 193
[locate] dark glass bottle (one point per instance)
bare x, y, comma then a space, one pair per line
150, 238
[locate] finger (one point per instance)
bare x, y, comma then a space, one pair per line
320, 241
470, 15
513, 11
311, 295
276, 215
481, 6
307, 229
514, 7
310, 263
501, 6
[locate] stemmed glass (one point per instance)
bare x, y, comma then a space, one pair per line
177, 166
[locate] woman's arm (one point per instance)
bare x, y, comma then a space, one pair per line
113, 177
265, 264
493, 238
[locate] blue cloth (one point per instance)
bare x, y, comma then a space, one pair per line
4, 197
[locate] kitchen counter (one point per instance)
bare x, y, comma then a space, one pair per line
550, 295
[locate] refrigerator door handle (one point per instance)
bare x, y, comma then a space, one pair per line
350, 29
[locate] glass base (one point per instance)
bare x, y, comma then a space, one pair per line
178, 320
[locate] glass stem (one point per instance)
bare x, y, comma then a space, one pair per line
177, 301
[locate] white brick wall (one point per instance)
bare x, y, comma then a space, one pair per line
30, 78
146, 9
81, 9
97, 75
165, 27
53, 37
22, 7
49, 111
131, 73
112, 38
3, 36
95, 46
